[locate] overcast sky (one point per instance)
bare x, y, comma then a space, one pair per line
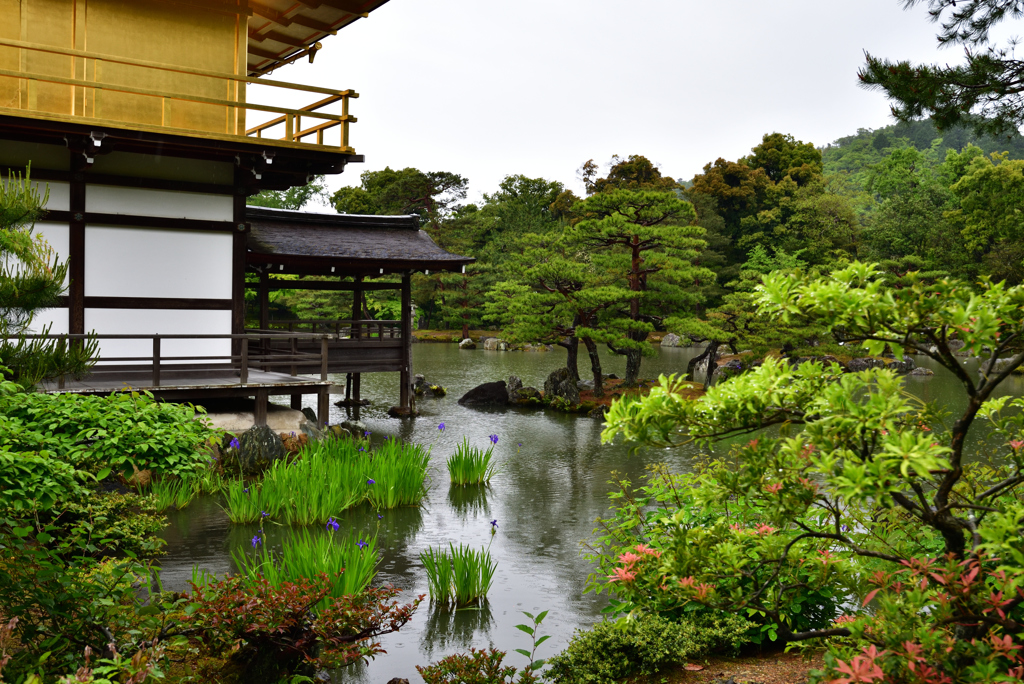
488, 88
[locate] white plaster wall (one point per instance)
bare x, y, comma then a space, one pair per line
58, 236
56, 318
151, 262
106, 199
149, 321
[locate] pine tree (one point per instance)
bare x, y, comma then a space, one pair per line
647, 240
31, 279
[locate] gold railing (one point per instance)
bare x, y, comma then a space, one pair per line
203, 113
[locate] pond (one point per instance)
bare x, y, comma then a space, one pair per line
552, 485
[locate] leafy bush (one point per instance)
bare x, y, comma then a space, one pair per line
268, 632
51, 444
612, 650
862, 490
475, 667
68, 607
666, 523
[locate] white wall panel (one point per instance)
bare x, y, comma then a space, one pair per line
150, 262
57, 317
60, 194
148, 322
106, 199
58, 235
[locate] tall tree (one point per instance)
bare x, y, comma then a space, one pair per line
293, 198
649, 240
557, 296
986, 92
31, 279
462, 296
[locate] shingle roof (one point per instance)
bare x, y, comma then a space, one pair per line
373, 241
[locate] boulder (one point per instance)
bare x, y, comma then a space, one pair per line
356, 428
487, 394
560, 384
338, 431
519, 395
902, 367
670, 340
467, 344
310, 414
502, 345
259, 447
921, 371
491, 343
999, 366
422, 388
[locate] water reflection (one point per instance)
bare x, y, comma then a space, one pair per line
446, 630
469, 500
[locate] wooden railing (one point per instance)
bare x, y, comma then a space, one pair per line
249, 356
81, 106
341, 328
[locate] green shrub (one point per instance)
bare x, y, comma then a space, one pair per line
612, 650
54, 444
475, 667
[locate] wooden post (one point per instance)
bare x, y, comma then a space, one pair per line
406, 374
357, 333
264, 301
76, 247
243, 370
260, 410
323, 405
324, 356
296, 402
238, 252
295, 351
156, 360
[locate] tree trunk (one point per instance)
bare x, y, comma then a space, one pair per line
572, 355
595, 366
465, 329
710, 351
633, 359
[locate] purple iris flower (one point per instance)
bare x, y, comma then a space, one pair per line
494, 439
371, 482
441, 427
361, 544
332, 523
494, 524
256, 541
234, 444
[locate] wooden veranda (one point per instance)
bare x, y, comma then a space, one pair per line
339, 253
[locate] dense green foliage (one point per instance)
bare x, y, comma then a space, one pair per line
857, 491
52, 445
648, 645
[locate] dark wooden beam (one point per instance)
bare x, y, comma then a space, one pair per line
238, 252
405, 377
177, 303
93, 218
277, 37
283, 19
323, 285
76, 246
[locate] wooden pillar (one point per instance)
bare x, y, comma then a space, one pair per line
76, 247
323, 406
238, 250
406, 374
264, 300
357, 314
260, 411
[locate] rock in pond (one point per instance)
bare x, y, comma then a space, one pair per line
864, 363
495, 344
522, 396
670, 340
921, 371
487, 394
259, 447
467, 344
422, 388
560, 384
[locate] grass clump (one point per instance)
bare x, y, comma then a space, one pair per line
171, 492
328, 477
349, 563
612, 651
471, 465
459, 575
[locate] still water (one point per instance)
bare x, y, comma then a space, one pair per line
552, 485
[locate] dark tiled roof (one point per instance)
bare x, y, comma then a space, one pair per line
375, 240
